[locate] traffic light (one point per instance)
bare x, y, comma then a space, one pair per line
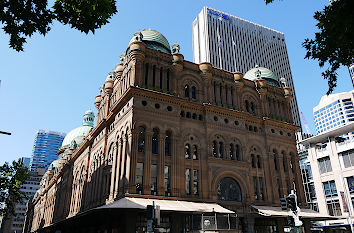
291, 199
283, 203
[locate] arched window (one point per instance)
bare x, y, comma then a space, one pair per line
275, 154
155, 141
232, 151
187, 151
252, 107
259, 162
221, 150
253, 162
154, 76
168, 143
195, 152
229, 190
247, 105
186, 91
141, 139
168, 81
146, 74
215, 149
238, 153
194, 94
285, 164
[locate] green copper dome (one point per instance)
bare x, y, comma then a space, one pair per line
257, 73
79, 133
154, 40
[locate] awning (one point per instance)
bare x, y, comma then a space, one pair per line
167, 205
272, 211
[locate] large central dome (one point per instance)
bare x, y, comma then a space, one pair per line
154, 40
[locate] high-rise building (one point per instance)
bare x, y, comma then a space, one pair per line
45, 148
351, 72
26, 161
333, 111
329, 160
14, 224
237, 45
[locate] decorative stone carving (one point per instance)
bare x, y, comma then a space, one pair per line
175, 48
122, 58
283, 82
73, 144
110, 76
258, 73
138, 37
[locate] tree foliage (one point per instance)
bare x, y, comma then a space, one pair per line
12, 177
23, 18
333, 45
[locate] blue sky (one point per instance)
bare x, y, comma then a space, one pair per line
51, 84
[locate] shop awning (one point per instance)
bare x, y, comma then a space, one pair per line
272, 211
167, 205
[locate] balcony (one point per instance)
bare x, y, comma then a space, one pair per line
344, 146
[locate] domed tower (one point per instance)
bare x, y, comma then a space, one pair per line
152, 39
75, 136
262, 73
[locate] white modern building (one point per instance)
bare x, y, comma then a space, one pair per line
15, 223
331, 161
351, 72
237, 45
334, 111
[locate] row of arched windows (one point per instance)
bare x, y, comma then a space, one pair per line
155, 141
234, 150
164, 81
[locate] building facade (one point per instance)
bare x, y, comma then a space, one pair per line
45, 148
334, 111
14, 224
330, 158
198, 141
351, 73
237, 45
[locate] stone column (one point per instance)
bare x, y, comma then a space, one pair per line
114, 172
161, 168
147, 163
307, 225
282, 174
123, 165
119, 167
133, 161
174, 169
128, 168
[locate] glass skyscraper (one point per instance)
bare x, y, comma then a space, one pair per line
45, 148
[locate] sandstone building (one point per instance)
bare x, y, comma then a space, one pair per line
176, 133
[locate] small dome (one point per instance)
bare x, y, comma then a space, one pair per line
154, 40
79, 133
258, 73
